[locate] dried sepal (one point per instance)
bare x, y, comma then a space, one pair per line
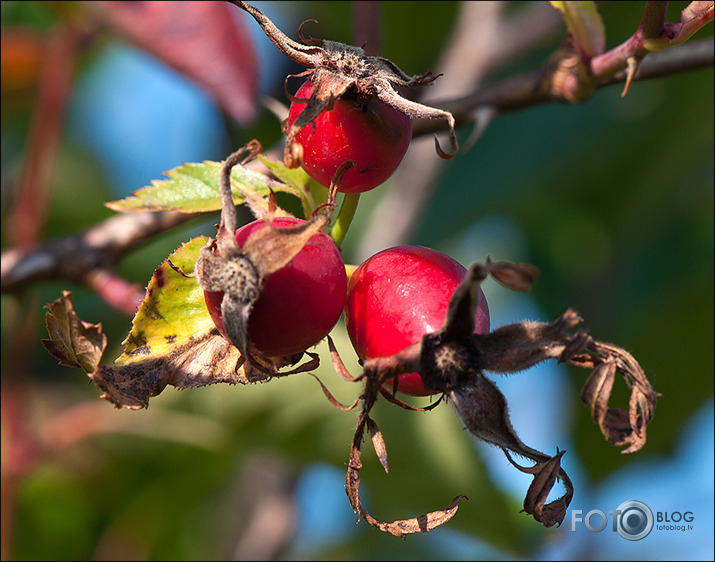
545, 475
421, 524
378, 442
390, 397
483, 409
241, 284
400, 527
334, 68
515, 276
338, 364
331, 398
619, 427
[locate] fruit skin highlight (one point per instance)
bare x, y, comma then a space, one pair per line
300, 303
359, 128
397, 296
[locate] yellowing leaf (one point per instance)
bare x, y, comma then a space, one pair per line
173, 312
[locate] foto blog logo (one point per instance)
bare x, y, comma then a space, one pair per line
633, 520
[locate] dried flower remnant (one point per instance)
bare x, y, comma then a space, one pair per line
334, 68
454, 359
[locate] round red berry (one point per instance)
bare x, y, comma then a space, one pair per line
300, 303
397, 296
359, 128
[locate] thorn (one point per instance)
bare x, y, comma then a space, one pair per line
482, 117
633, 64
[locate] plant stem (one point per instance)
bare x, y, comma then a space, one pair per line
344, 218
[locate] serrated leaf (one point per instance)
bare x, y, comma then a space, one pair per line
194, 188
208, 359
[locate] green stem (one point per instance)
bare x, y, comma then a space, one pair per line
345, 216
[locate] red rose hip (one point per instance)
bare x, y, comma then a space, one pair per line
359, 128
300, 303
397, 296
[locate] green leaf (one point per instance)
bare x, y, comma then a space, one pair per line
313, 194
194, 188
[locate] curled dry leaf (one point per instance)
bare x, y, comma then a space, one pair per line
453, 360
73, 342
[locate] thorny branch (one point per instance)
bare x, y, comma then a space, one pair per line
525, 90
453, 360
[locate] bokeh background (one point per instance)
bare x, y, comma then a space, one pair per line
611, 199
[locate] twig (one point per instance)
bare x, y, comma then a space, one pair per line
88, 258
525, 90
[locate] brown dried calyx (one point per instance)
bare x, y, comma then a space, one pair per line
454, 359
240, 272
333, 68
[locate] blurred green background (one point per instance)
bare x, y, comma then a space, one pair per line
611, 199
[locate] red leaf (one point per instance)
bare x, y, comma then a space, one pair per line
202, 40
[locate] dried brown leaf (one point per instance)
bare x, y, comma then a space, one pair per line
209, 360
73, 342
